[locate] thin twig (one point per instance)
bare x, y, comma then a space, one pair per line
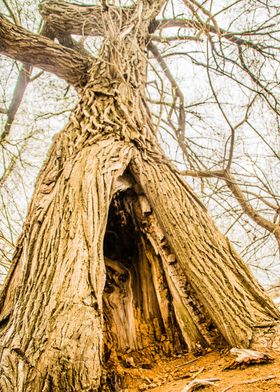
265, 378
187, 363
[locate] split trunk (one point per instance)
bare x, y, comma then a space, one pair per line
119, 262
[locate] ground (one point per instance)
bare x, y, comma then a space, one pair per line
172, 375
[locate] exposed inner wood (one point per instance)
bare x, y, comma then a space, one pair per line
149, 310
172, 280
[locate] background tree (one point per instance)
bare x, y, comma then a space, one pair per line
106, 156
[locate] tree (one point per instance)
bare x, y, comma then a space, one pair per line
118, 256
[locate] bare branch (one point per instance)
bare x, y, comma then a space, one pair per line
240, 197
12, 14
207, 28
248, 209
22, 82
178, 94
19, 44
162, 39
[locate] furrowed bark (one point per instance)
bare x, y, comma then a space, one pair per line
19, 44
78, 19
88, 20
54, 339
52, 317
169, 273
222, 282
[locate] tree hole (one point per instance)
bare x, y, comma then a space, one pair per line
136, 332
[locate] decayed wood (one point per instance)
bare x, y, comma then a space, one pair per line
52, 302
245, 357
139, 320
19, 44
222, 282
192, 320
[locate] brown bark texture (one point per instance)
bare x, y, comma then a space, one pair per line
119, 261
42, 52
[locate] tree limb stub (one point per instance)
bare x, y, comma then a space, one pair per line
78, 19
22, 45
87, 20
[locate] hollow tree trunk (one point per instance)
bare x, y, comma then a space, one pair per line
55, 329
222, 283
173, 281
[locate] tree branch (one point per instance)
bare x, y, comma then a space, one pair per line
88, 20
29, 48
78, 19
207, 28
240, 197
247, 207
22, 82
24, 78
178, 94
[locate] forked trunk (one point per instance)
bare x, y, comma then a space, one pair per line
118, 263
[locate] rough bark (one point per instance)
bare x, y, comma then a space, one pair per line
80, 19
59, 270
172, 280
59, 275
42, 52
222, 282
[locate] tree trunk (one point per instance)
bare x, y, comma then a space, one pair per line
55, 329
223, 284
72, 321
